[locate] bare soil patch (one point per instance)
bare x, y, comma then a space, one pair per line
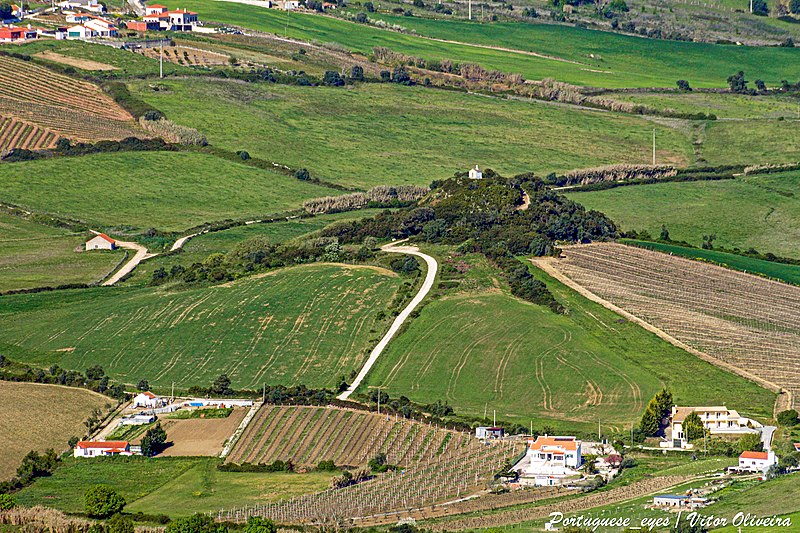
85, 64
200, 436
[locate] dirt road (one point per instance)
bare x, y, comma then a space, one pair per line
140, 255
427, 285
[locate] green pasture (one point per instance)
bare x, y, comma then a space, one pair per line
483, 350
384, 134
307, 324
761, 212
173, 486
724, 106
170, 191
751, 142
759, 267
35, 255
619, 60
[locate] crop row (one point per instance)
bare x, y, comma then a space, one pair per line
746, 321
308, 435
19, 134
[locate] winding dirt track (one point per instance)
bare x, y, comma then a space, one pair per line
427, 285
140, 255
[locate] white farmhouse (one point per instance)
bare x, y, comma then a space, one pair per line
147, 399
475, 173
550, 460
101, 241
86, 448
718, 420
756, 461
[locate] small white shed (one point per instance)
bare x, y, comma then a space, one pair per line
101, 241
475, 173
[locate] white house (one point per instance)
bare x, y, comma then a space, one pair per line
101, 27
136, 420
550, 460
155, 9
77, 18
101, 448
101, 241
81, 32
718, 420
177, 20
669, 500
147, 399
475, 173
756, 461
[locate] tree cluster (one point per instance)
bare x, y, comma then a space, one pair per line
656, 411
94, 378
34, 465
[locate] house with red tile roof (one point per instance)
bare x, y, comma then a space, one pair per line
10, 34
147, 399
102, 448
155, 9
175, 20
756, 461
101, 241
550, 460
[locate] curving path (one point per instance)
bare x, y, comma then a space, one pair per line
427, 285
140, 255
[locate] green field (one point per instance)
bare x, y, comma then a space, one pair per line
125, 63
761, 212
484, 350
172, 486
769, 269
751, 142
622, 61
170, 191
374, 134
722, 105
307, 324
34, 255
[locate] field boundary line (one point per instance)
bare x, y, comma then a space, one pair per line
546, 264
427, 285
240, 430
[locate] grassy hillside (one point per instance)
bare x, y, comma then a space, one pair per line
172, 486
166, 190
308, 324
483, 350
754, 211
386, 134
38, 417
787, 273
620, 61
721, 105
34, 255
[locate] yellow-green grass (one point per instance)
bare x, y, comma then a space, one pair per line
761, 212
777, 496
174, 486
384, 134
167, 190
723, 105
38, 417
485, 350
35, 255
619, 61
199, 248
759, 267
751, 142
306, 324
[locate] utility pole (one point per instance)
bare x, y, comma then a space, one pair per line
751, 6
470, 9
654, 146
494, 419
172, 394
161, 61
264, 394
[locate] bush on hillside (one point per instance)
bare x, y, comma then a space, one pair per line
101, 501
788, 418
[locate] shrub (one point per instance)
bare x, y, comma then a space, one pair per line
243, 154
683, 85
7, 502
101, 501
197, 523
256, 524
302, 174
327, 466
119, 524
617, 173
787, 418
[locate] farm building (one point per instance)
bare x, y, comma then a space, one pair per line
671, 501
718, 420
100, 27
102, 448
136, 420
484, 432
141, 25
203, 402
755, 462
550, 461
155, 9
101, 241
85, 5
475, 173
148, 399
10, 34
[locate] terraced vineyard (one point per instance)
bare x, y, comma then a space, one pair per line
438, 464
65, 106
16, 133
748, 322
308, 435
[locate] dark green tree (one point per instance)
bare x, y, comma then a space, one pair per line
370, 7
760, 85
7, 502
143, 385
794, 6
95, 372
197, 523
750, 442
664, 233
332, 79
153, 440
737, 83
361, 18
357, 73
693, 427
683, 85
101, 501
760, 8
222, 385
400, 75
119, 524
256, 524
5, 11
787, 418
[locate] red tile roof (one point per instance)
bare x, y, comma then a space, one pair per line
568, 443
157, 6
150, 394
106, 237
754, 455
112, 445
